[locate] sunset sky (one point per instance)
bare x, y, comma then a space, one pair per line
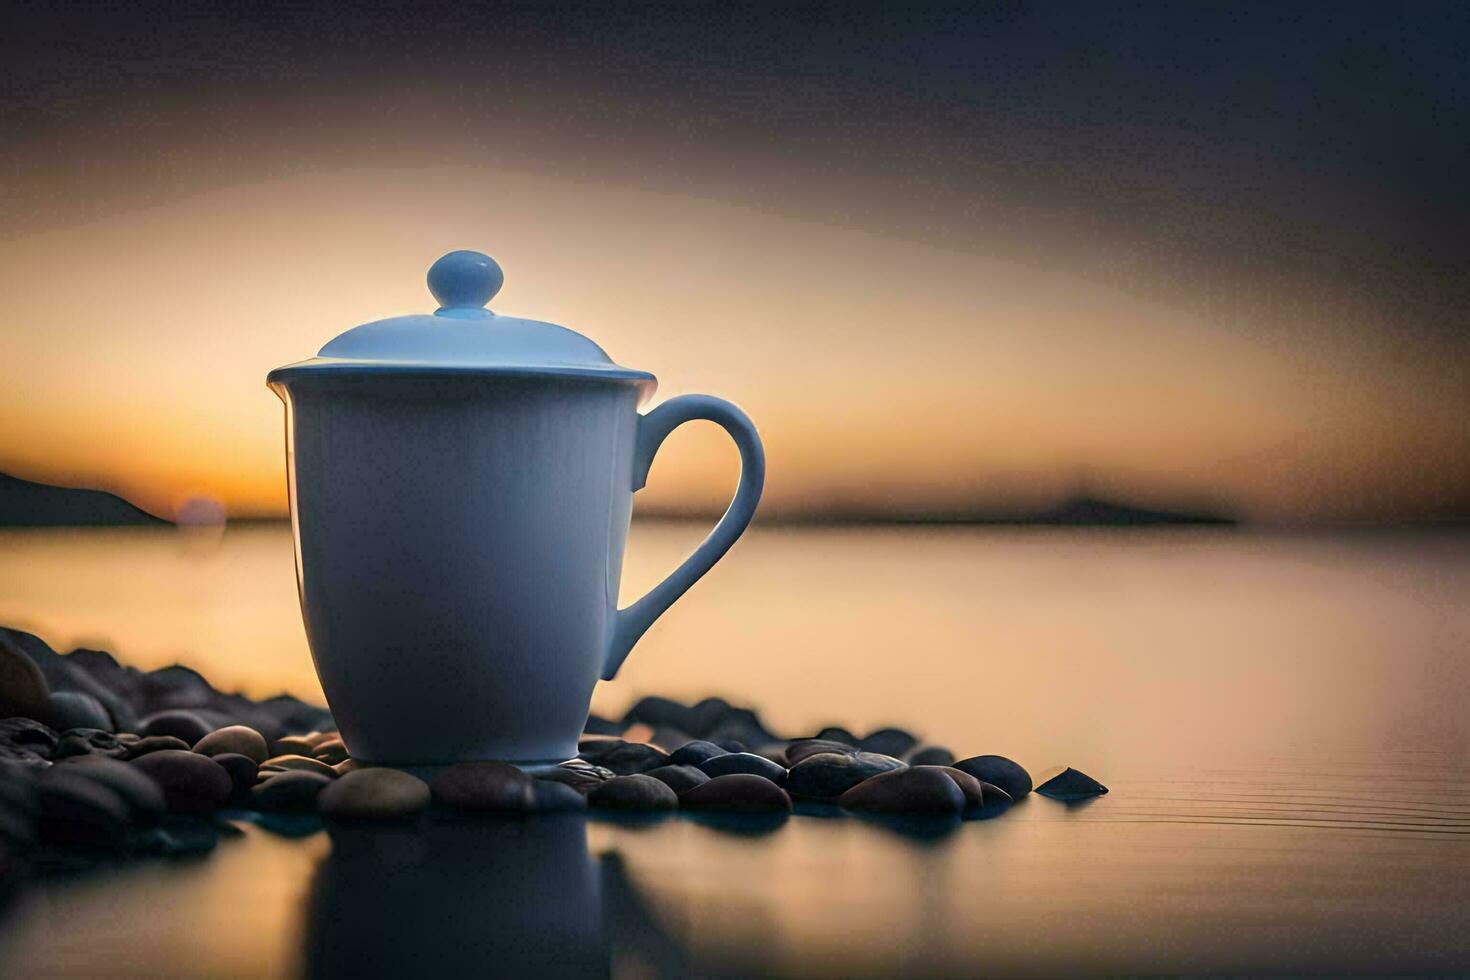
949, 259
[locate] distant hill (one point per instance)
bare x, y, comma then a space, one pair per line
1093, 511
27, 504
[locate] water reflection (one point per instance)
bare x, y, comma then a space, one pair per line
518, 897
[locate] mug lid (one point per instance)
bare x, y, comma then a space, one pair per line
463, 337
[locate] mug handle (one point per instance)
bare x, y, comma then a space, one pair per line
630, 624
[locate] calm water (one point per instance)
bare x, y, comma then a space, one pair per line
1280, 717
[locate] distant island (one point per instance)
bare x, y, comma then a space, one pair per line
27, 504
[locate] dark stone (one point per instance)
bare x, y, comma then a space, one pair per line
998, 770
376, 794
804, 747
331, 751
634, 792
827, 775
295, 715
731, 745
18, 804
154, 743
1070, 785
694, 753
174, 687
580, 775
550, 796
73, 709
932, 755
602, 726
972, 788
75, 810
191, 783
706, 716
64, 675
889, 741
146, 804
776, 752
741, 725
738, 793
922, 790
289, 792
186, 725
88, 741
834, 733
994, 795
242, 770
483, 787
297, 763
628, 758
23, 688
680, 779
669, 739
236, 739
744, 762
26, 742
657, 712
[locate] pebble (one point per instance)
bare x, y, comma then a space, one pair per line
347, 765
889, 741
550, 796
999, 771
693, 753
291, 745
579, 774
1070, 785
738, 793
145, 800
154, 743
483, 787
634, 792
191, 783
331, 751
235, 739
180, 724
88, 741
972, 788
909, 790
931, 755
298, 763
289, 792
744, 762
242, 770
827, 775
375, 794
805, 747
680, 779
75, 709
835, 733
23, 688
628, 758
76, 810
17, 804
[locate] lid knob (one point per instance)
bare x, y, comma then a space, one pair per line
463, 279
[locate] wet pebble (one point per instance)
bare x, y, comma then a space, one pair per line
579, 774
634, 792
79, 811
680, 779
242, 770
1071, 785
191, 783
483, 787
289, 792
922, 790
88, 741
827, 775
374, 794
972, 788
550, 796
747, 763
154, 743
76, 709
144, 797
694, 753
628, 758
297, 763
291, 745
235, 739
931, 755
737, 793
999, 771
804, 747
331, 751
185, 725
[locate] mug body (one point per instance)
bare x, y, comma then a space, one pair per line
459, 545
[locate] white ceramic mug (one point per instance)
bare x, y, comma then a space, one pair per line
461, 487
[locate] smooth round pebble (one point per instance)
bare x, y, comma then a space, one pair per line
580, 775
827, 775
374, 794
1071, 785
737, 793
549, 796
922, 790
76, 810
680, 779
889, 741
144, 797
747, 763
836, 733
154, 743
634, 792
242, 770
999, 771
299, 763
931, 755
76, 709
88, 741
191, 783
694, 753
185, 725
806, 747
629, 758
23, 688
972, 788
235, 739
291, 745
331, 751
289, 792
482, 787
